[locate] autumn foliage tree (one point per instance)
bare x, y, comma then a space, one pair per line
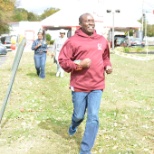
10, 13
6, 8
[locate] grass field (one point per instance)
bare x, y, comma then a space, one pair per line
38, 112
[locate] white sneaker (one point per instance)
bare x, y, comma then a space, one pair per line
57, 74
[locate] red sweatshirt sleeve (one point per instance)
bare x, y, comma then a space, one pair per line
66, 57
106, 56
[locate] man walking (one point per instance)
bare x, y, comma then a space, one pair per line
58, 43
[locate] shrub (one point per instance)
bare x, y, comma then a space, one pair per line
126, 49
48, 38
51, 41
139, 49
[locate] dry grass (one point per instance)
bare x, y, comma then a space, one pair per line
39, 111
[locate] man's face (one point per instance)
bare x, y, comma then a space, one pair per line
88, 24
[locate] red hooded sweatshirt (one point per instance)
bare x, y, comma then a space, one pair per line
79, 47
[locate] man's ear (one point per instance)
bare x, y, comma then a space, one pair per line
80, 23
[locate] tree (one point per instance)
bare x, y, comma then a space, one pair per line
20, 15
48, 38
150, 28
6, 8
48, 12
33, 17
10, 13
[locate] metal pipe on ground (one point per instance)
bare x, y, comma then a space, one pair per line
14, 71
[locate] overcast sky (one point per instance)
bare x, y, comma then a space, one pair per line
129, 8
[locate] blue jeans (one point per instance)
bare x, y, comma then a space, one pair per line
40, 60
89, 101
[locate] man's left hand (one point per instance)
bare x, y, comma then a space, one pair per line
108, 69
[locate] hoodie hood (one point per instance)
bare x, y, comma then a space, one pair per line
79, 32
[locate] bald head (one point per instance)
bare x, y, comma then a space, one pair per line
82, 17
87, 23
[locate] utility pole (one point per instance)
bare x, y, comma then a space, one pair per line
142, 16
113, 13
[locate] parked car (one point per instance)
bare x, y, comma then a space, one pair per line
9, 40
136, 42
120, 40
3, 50
6, 41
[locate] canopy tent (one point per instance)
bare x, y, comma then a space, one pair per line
68, 18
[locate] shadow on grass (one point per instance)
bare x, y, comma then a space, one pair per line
35, 75
51, 73
61, 128
32, 75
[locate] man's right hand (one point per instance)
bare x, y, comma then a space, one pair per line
85, 63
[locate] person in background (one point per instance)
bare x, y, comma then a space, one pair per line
86, 57
58, 43
40, 49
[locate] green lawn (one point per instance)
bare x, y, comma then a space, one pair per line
38, 112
